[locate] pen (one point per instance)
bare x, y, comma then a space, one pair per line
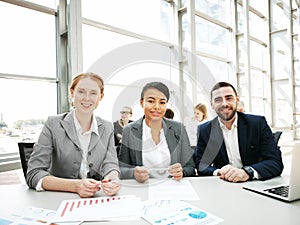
163, 169
104, 181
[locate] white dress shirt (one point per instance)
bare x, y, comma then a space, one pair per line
156, 157
231, 142
232, 146
84, 141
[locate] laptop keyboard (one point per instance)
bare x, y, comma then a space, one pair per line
281, 190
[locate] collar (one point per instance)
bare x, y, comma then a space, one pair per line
234, 125
94, 127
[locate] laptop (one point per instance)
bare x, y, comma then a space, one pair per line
279, 187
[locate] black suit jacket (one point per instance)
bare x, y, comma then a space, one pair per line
256, 145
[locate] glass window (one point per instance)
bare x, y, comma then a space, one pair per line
219, 9
258, 27
211, 38
297, 72
261, 6
241, 49
26, 105
219, 70
279, 15
260, 93
242, 86
147, 17
27, 42
295, 4
281, 55
257, 87
97, 43
126, 64
257, 55
296, 22
297, 98
182, 3
282, 105
240, 19
298, 128
296, 47
124, 87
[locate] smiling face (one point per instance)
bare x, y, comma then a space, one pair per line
198, 115
125, 114
154, 104
224, 102
86, 96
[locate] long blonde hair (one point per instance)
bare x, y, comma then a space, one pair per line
201, 107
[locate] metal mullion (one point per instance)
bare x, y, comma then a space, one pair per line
257, 41
124, 32
28, 77
212, 20
199, 53
33, 6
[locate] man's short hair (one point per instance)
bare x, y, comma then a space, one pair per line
220, 85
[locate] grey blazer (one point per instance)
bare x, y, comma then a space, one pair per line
58, 152
178, 143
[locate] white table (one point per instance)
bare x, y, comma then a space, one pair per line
223, 199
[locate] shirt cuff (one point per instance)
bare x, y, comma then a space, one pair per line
215, 173
39, 185
256, 175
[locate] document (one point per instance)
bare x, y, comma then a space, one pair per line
32, 216
172, 190
175, 212
125, 207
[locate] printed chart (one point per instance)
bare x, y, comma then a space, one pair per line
175, 212
99, 209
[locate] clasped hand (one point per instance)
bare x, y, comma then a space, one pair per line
87, 188
232, 174
141, 174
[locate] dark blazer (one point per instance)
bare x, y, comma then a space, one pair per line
256, 145
178, 143
118, 130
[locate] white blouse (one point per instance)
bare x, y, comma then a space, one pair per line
156, 157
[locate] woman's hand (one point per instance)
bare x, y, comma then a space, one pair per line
87, 188
141, 174
176, 171
110, 187
111, 183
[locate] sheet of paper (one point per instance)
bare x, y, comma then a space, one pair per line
175, 212
172, 190
32, 216
125, 207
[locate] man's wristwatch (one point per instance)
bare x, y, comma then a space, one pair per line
249, 171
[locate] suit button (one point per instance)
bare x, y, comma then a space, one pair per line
89, 153
91, 165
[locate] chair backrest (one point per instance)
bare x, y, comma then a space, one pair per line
25, 150
277, 135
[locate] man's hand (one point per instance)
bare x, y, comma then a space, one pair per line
232, 174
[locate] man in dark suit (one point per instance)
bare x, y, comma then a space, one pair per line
235, 146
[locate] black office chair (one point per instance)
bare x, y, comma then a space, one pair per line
25, 150
277, 135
